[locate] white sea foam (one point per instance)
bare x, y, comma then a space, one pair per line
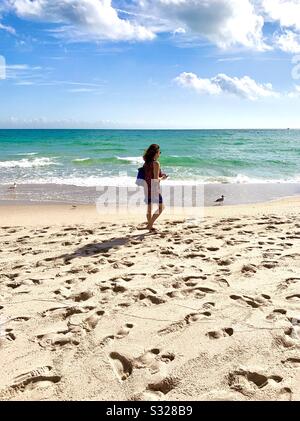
88, 181
28, 163
132, 159
125, 180
244, 179
81, 159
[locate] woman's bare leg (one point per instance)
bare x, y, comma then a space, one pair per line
155, 216
149, 213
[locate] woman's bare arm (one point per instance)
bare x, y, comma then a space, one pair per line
156, 170
157, 173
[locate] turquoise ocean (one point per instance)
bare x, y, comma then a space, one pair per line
88, 158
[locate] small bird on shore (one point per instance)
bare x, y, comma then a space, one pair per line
12, 188
220, 200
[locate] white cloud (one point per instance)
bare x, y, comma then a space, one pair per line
80, 90
202, 86
26, 75
287, 12
24, 83
223, 22
230, 59
18, 67
295, 93
244, 87
22, 72
95, 19
44, 123
289, 42
7, 28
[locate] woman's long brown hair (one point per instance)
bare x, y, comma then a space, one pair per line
150, 153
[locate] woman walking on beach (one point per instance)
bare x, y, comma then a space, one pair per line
153, 176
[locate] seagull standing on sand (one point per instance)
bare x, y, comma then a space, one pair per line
220, 200
12, 188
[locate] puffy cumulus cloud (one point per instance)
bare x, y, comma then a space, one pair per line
223, 22
287, 12
244, 87
202, 86
289, 42
91, 19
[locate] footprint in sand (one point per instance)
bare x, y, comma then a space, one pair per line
121, 333
21, 319
285, 394
121, 365
277, 314
222, 281
194, 278
256, 302
223, 333
294, 330
57, 339
289, 281
269, 264
198, 292
188, 320
149, 298
8, 335
291, 362
249, 269
164, 386
153, 360
224, 272
64, 313
117, 288
39, 377
124, 331
91, 322
246, 381
290, 338
82, 296
295, 297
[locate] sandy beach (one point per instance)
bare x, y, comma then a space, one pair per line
91, 308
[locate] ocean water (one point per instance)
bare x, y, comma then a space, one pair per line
104, 157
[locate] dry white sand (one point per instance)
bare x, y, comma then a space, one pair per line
92, 308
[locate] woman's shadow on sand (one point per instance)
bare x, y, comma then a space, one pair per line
94, 249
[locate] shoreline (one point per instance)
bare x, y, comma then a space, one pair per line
65, 214
198, 194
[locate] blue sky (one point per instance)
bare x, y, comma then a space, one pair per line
150, 64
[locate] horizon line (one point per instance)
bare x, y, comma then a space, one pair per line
153, 128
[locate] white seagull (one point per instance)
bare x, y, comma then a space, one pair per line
220, 200
12, 188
